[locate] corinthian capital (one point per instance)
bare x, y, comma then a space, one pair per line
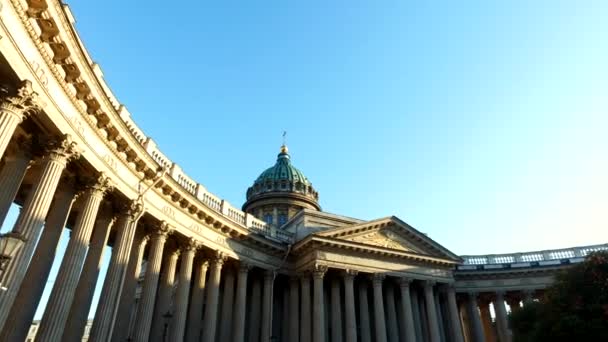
63, 148
23, 103
100, 185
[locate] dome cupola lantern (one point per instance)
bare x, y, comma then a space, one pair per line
280, 192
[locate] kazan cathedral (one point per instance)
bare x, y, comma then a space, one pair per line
186, 265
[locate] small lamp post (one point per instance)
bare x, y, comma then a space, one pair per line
9, 245
167, 316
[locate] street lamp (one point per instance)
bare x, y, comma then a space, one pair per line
9, 245
167, 316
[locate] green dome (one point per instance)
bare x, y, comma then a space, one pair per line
283, 170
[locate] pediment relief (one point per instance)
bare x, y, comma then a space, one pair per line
386, 238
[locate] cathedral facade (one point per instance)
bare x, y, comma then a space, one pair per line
186, 265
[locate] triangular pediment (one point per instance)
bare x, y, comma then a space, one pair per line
390, 233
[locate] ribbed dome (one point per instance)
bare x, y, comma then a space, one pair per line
283, 170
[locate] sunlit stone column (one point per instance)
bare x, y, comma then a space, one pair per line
58, 306
213, 290
431, 311
22, 313
364, 322
107, 309
318, 309
163, 300
145, 310
294, 308
195, 316
474, 318
455, 325
14, 109
486, 320
305, 314
241, 303
255, 310
183, 291
391, 313
79, 312
32, 215
407, 333
379, 308
350, 320
266, 325
501, 317
226, 307
16, 163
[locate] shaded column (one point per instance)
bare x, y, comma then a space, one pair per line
336, 311
474, 318
58, 306
379, 308
32, 215
305, 312
107, 309
255, 310
294, 314
528, 296
366, 335
79, 312
127, 298
429, 299
213, 289
183, 290
241, 303
266, 326
14, 109
350, 319
28, 297
456, 328
16, 163
163, 299
417, 314
486, 321
407, 332
391, 312
318, 310
438, 312
501, 317
145, 310
227, 305
195, 316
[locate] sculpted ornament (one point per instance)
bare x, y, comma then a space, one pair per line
64, 148
319, 271
101, 185
21, 105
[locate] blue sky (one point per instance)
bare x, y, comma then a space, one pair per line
481, 123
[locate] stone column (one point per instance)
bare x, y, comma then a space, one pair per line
456, 328
305, 314
266, 326
379, 308
318, 309
16, 163
486, 321
417, 314
83, 298
183, 291
349, 305
255, 310
439, 313
241, 303
59, 303
227, 305
127, 298
163, 300
476, 329
501, 317
407, 333
336, 311
14, 109
22, 313
145, 310
107, 309
195, 316
294, 331
429, 299
391, 312
364, 322
32, 215
213, 289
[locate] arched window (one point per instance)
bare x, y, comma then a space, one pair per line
282, 219
268, 218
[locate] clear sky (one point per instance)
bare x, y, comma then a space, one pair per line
482, 123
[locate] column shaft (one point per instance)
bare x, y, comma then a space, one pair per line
350, 319
294, 331
364, 322
227, 308
456, 328
475, 320
183, 292
163, 301
28, 297
379, 308
305, 312
11, 177
318, 310
241, 303
31, 219
213, 289
433, 323
266, 328
107, 309
195, 316
336, 311
391, 311
255, 311
417, 314
408, 330
501, 318
145, 310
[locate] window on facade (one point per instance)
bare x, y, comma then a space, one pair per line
268, 218
282, 219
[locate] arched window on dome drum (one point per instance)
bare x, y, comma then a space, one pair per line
268, 218
282, 219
